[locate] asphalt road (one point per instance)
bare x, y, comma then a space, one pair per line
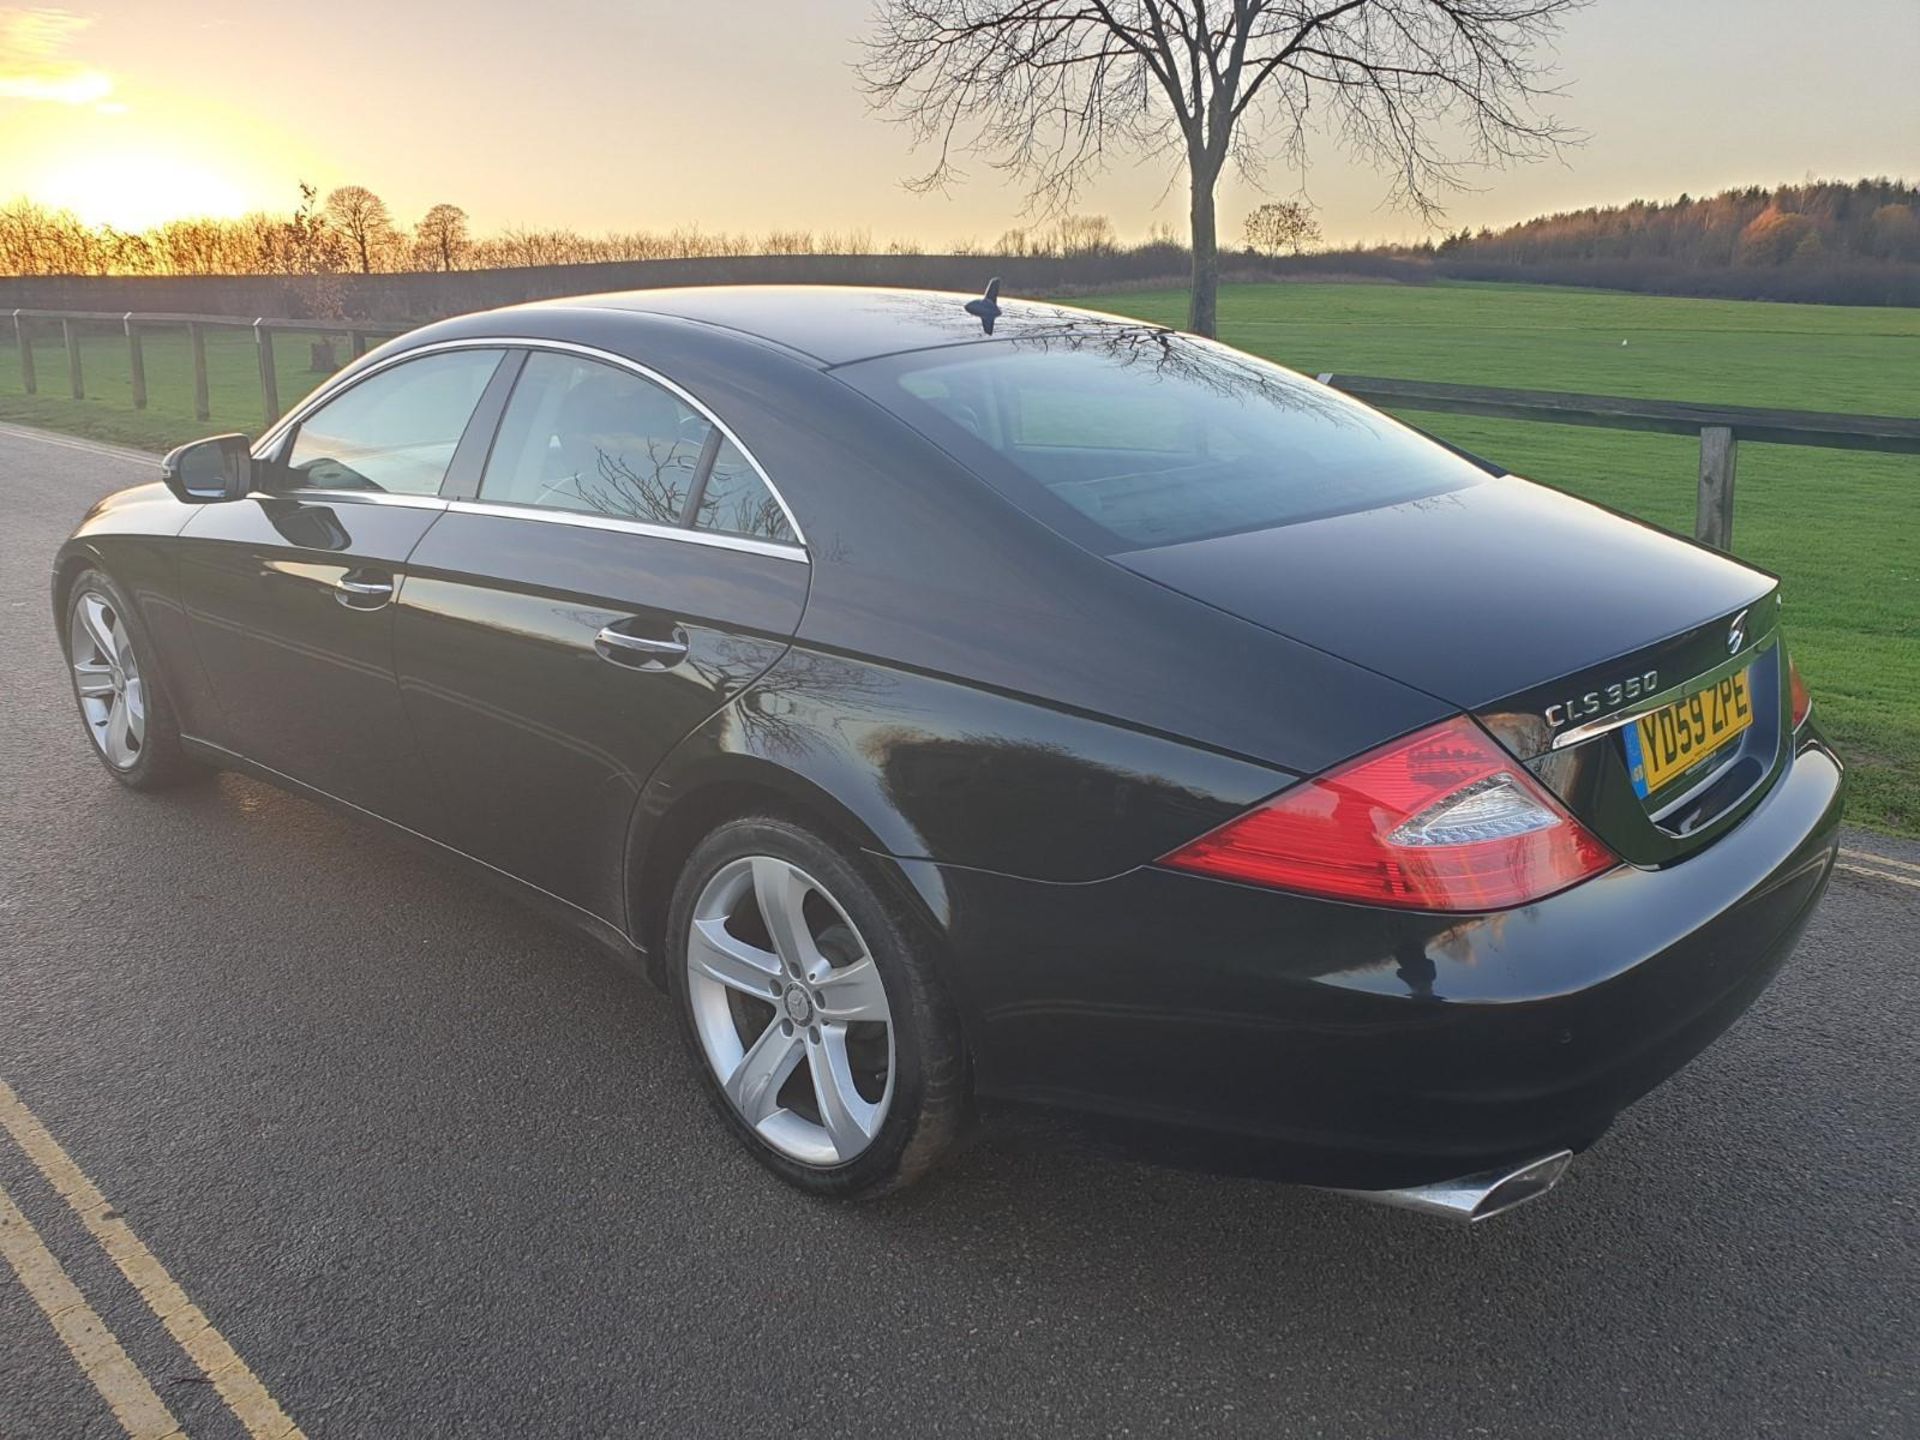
435, 1167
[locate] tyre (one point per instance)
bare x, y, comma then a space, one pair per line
117, 683
813, 1012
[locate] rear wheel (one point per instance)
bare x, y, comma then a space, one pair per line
121, 694
812, 1009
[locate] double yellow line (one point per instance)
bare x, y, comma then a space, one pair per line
133, 1400
1880, 867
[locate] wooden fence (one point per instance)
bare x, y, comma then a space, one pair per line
1721, 428
134, 325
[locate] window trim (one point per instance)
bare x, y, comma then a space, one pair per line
696, 492
589, 520
797, 550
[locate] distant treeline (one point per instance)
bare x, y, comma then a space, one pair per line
353, 231
1839, 243
1827, 241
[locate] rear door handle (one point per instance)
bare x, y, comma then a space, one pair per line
363, 590
641, 652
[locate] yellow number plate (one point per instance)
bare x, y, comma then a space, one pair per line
1670, 741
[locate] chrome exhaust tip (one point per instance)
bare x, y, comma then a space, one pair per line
1472, 1198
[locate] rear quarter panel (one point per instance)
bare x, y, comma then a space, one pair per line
919, 766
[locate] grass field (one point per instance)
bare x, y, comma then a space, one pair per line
1842, 529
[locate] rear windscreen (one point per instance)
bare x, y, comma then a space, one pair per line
1129, 438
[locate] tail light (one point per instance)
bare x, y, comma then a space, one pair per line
1440, 820
1802, 701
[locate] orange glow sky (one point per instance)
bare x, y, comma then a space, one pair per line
743, 115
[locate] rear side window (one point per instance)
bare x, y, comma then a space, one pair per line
736, 500
1127, 438
580, 435
395, 432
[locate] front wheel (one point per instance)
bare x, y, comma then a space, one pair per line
117, 682
811, 1006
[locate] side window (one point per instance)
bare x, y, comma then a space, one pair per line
737, 501
579, 435
396, 431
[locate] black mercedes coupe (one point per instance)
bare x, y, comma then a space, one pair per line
953, 702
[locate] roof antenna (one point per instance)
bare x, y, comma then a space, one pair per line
987, 307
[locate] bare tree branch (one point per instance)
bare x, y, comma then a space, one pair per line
1424, 91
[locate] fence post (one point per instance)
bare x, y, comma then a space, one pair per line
1713, 519
136, 364
269, 378
75, 382
197, 343
28, 384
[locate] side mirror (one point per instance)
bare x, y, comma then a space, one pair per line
207, 471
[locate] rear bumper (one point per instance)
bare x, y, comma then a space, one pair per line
1239, 1028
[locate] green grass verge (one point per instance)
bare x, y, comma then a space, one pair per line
1842, 529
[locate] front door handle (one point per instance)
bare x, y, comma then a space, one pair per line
363, 590
641, 652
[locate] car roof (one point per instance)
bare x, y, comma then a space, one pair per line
839, 324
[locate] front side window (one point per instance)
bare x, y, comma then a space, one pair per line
580, 435
395, 432
1127, 438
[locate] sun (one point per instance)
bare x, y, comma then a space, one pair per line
133, 191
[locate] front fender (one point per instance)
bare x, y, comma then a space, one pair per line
124, 532
131, 534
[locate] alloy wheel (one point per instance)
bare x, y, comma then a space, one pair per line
106, 676
790, 1010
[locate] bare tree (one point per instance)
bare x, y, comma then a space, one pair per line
307, 245
1420, 89
442, 237
363, 218
1084, 235
304, 243
1282, 225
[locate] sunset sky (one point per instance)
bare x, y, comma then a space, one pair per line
632, 114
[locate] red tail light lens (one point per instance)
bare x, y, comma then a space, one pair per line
1802, 701
1441, 820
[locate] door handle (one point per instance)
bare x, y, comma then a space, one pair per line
362, 594
641, 652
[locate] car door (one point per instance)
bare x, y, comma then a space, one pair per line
290, 590
619, 570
